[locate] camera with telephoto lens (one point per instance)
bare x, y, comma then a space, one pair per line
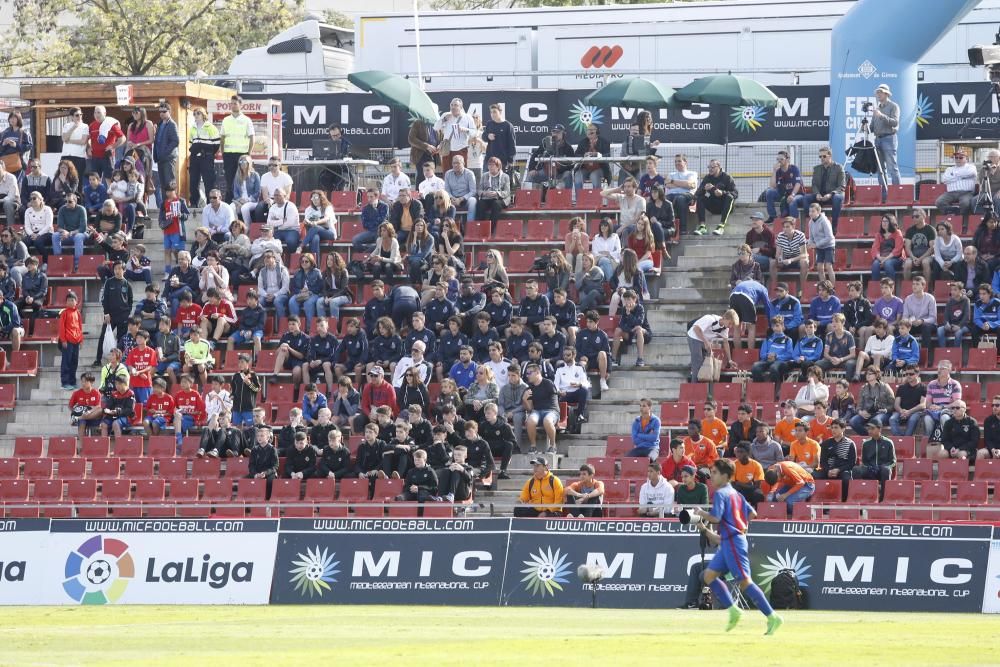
687, 516
866, 106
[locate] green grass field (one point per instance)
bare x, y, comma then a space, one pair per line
445, 636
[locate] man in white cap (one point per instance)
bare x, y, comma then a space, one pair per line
885, 122
960, 179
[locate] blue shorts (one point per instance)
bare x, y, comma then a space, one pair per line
142, 394
293, 363
243, 419
173, 242
159, 422
541, 416
123, 422
91, 423
733, 557
187, 423
824, 255
240, 339
164, 365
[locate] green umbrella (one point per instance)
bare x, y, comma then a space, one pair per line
396, 91
734, 91
633, 92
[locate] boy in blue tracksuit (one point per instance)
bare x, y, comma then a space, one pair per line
823, 307
775, 354
905, 348
593, 348
789, 308
809, 349
986, 315
633, 326
518, 340
352, 353
534, 307
438, 310
646, 432
451, 341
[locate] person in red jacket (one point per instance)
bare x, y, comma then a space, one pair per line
70, 338
673, 464
190, 410
86, 406
159, 408
141, 362
376, 392
217, 316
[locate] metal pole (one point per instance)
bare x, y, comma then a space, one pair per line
416, 34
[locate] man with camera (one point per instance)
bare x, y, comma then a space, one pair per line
989, 178
960, 180
884, 124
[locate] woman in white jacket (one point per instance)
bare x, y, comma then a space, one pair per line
947, 248
38, 226
606, 247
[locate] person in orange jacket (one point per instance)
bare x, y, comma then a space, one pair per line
70, 339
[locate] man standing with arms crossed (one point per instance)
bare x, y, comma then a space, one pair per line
237, 139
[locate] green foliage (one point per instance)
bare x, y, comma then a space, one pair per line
137, 37
338, 18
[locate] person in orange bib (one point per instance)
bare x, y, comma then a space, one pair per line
790, 483
701, 450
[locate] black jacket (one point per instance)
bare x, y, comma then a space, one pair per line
116, 297
420, 433
300, 461
736, 434
336, 461
550, 149
963, 434
881, 453
121, 405
496, 433
991, 432
263, 460
438, 454
982, 273
603, 147
723, 182
858, 313
480, 457
368, 457
319, 435
424, 478
286, 438
245, 391
829, 460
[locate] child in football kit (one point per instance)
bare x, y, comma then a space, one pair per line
731, 513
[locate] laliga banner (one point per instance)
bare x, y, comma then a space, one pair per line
137, 561
863, 55
390, 561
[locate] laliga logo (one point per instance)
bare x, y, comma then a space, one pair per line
604, 56
98, 572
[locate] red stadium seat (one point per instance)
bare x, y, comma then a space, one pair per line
618, 446
760, 392
183, 490
527, 199
107, 468
695, 392
843, 514
589, 199
772, 511
955, 470
604, 468
217, 490
520, 261
150, 490
617, 491
28, 447
73, 468
918, 469
251, 490
237, 467
387, 489
987, 470
559, 199
62, 446
206, 467
971, 493
8, 396
320, 490
477, 230
867, 195
863, 491
935, 493
95, 446
332, 510
509, 230
729, 392
128, 446
674, 414
138, 468
827, 491
162, 446
982, 360
905, 446
899, 491
929, 192
48, 490
286, 490
297, 510
40, 468
60, 266
173, 468
353, 490
540, 230
634, 468
899, 195
10, 468
851, 227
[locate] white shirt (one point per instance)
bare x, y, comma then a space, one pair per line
269, 183
391, 185
690, 176
569, 375
499, 369
429, 185
38, 222
661, 495
960, 178
456, 130
882, 347
283, 216
611, 245
80, 131
711, 327
217, 220
312, 214
405, 364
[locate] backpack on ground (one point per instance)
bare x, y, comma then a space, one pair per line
786, 592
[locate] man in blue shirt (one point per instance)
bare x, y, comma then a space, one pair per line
787, 306
731, 513
775, 354
165, 145
746, 297
905, 348
464, 370
373, 215
824, 306
786, 183
593, 348
809, 349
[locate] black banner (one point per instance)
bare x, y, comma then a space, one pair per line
390, 561
802, 114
